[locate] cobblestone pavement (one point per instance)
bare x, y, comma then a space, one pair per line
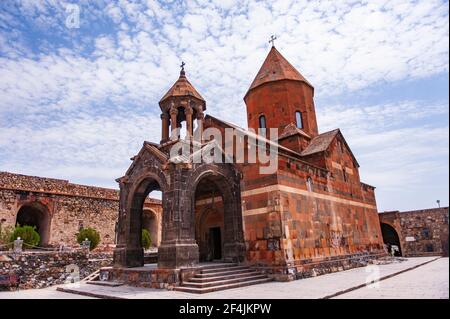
310, 288
430, 281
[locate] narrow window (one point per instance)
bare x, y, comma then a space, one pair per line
344, 174
262, 125
298, 119
262, 122
309, 184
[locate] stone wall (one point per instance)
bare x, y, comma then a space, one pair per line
43, 269
65, 207
421, 232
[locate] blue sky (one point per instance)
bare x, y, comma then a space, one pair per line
77, 103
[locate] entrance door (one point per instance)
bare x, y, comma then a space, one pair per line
216, 242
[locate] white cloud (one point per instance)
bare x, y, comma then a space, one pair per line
98, 85
398, 149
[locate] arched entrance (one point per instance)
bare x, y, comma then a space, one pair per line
390, 237
129, 251
150, 223
38, 216
218, 218
139, 220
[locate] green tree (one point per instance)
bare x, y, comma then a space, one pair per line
28, 234
91, 234
146, 239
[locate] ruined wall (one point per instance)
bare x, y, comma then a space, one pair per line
421, 232
69, 207
44, 269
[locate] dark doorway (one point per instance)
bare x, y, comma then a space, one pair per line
215, 243
37, 216
390, 237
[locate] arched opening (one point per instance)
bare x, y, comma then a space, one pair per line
35, 215
390, 237
139, 219
150, 223
218, 219
262, 122
209, 219
309, 184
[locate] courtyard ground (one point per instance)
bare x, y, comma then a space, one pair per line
421, 277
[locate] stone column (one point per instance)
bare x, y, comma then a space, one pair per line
200, 118
189, 121
173, 123
128, 251
165, 127
178, 247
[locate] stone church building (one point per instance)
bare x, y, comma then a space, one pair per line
311, 214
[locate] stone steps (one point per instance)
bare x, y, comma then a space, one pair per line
216, 277
106, 283
224, 281
211, 278
222, 287
207, 274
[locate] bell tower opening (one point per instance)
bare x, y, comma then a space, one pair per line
181, 106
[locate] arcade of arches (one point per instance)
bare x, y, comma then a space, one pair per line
202, 216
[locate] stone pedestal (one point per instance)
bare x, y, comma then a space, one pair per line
234, 252
178, 255
128, 257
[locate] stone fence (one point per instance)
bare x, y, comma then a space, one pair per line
40, 269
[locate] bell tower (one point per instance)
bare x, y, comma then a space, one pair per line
280, 96
181, 104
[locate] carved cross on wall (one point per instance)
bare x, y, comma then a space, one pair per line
272, 40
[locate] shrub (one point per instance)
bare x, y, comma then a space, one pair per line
146, 239
6, 234
91, 234
28, 234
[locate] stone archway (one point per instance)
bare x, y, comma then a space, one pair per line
129, 251
217, 213
36, 215
390, 236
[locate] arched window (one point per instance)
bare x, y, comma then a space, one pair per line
298, 119
262, 121
309, 184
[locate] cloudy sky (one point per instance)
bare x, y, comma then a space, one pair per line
77, 102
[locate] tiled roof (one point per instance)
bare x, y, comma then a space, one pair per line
182, 87
320, 143
290, 130
275, 68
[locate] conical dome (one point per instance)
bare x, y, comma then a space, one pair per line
182, 87
276, 68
